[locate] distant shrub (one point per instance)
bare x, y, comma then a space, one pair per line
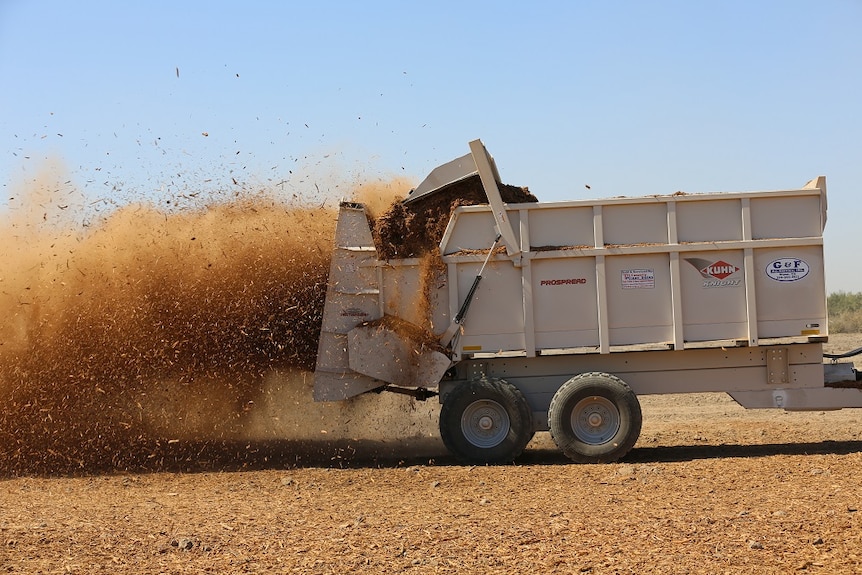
845, 312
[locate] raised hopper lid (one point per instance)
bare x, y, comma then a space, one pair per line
447, 174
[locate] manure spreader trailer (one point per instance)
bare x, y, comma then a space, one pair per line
557, 316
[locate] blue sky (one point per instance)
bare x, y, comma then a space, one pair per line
629, 97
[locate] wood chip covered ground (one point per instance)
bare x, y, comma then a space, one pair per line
709, 488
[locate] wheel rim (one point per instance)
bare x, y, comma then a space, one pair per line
485, 423
595, 420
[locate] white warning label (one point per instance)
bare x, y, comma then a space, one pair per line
638, 279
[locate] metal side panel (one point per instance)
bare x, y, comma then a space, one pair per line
406, 363
352, 297
681, 270
670, 371
539, 390
332, 352
802, 399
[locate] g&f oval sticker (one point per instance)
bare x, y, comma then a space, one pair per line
787, 270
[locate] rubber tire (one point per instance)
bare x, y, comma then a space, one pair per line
464, 398
606, 390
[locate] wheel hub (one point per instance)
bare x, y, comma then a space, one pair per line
595, 420
485, 423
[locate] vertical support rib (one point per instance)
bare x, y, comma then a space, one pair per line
601, 283
527, 286
748, 259
675, 282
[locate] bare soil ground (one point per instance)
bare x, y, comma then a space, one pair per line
709, 488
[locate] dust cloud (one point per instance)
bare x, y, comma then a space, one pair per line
158, 339
380, 196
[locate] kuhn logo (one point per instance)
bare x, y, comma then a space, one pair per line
719, 270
